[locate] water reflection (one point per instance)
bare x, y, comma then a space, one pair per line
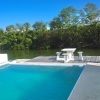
27, 54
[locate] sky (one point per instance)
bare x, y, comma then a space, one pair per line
22, 11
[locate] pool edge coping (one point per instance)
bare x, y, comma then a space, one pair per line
76, 83
47, 63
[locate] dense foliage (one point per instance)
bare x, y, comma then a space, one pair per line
71, 28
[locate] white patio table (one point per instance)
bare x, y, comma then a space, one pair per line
69, 53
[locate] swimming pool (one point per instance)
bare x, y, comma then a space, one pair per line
33, 82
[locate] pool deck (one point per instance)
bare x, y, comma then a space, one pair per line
52, 59
88, 85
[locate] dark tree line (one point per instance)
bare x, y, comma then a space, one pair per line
71, 28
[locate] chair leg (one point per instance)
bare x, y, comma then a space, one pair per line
80, 55
58, 57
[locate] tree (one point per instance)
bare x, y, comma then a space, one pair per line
82, 17
55, 23
1, 31
19, 27
10, 28
39, 26
1, 38
92, 13
26, 26
68, 16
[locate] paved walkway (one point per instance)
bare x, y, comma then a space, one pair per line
88, 85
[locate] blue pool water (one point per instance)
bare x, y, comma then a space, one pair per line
27, 82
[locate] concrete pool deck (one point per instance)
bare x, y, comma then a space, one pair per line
52, 59
88, 85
